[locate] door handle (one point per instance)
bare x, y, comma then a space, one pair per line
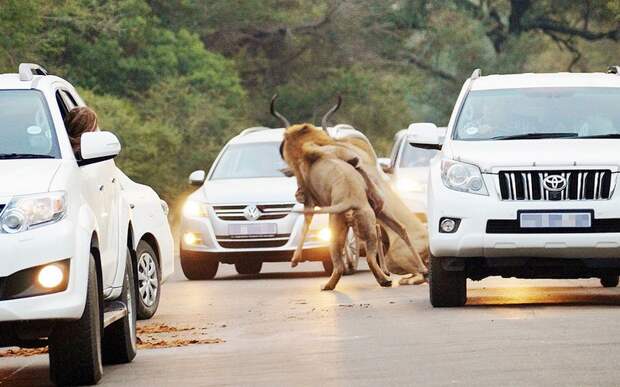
113, 180
101, 187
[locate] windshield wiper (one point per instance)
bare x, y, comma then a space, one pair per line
13, 156
608, 135
535, 135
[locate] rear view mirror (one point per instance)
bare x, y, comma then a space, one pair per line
197, 177
96, 147
426, 135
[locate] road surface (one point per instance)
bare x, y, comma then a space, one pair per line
279, 329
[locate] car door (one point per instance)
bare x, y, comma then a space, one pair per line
100, 190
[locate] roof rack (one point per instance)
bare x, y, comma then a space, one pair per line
476, 74
252, 130
613, 70
28, 70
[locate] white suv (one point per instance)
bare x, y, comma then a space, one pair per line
525, 185
69, 237
242, 212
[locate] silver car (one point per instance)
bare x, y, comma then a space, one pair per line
242, 214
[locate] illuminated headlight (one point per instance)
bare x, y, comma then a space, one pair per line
195, 209
409, 185
325, 234
30, 211
462, 177
50, 276
192, 239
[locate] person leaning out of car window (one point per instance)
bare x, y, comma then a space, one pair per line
78, 121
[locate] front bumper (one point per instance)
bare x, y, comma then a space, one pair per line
38, 247
314, 247
472, 239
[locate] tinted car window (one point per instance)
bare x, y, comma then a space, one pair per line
25, 124
574, 112
413, 156
249, 161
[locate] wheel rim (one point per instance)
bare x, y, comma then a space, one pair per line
148, 282
350, 248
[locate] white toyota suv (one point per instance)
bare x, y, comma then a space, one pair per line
71, 234
242, 212
525, 185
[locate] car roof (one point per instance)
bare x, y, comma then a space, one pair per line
530, 80
264, 134
12, 82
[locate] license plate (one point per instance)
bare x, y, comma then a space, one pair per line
555, 220
252, 230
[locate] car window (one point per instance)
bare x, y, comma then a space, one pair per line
26, 126
572, 112
414, 156
396, 149
249, 161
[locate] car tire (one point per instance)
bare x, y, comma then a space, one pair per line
248, 267
199, 269
148, 281
328, 266
75, 352
351, 253
119, 338
610, 281
447, 288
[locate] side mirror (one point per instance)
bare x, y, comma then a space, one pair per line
197, 177
426, 135
96, 147
385, 165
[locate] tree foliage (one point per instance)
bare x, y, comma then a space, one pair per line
177, 78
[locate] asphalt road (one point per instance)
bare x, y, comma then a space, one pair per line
279, 329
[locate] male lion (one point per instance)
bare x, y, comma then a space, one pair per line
304, 144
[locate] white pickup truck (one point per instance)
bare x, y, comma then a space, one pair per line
79, 241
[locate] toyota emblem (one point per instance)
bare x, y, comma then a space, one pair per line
554, 183
252, 213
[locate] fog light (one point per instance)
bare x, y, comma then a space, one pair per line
191, 238
325, 234
50, 276
448, 225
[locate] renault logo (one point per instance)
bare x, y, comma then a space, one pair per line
554, 183
252, 213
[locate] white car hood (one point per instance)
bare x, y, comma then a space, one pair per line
489, 155
22, 177
241, 191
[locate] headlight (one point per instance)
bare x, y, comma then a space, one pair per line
409, 185
30, 211
462, 177
195, 209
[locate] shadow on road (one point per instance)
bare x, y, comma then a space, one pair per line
542, 296
276, 275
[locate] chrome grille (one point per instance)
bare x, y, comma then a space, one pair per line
228, 242
592, 184
268, 211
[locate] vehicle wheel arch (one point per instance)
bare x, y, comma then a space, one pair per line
151, 241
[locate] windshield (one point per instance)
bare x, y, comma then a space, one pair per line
413, 156
26, 128
540, 113
250, 161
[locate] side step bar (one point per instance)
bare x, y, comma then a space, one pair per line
113, 312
